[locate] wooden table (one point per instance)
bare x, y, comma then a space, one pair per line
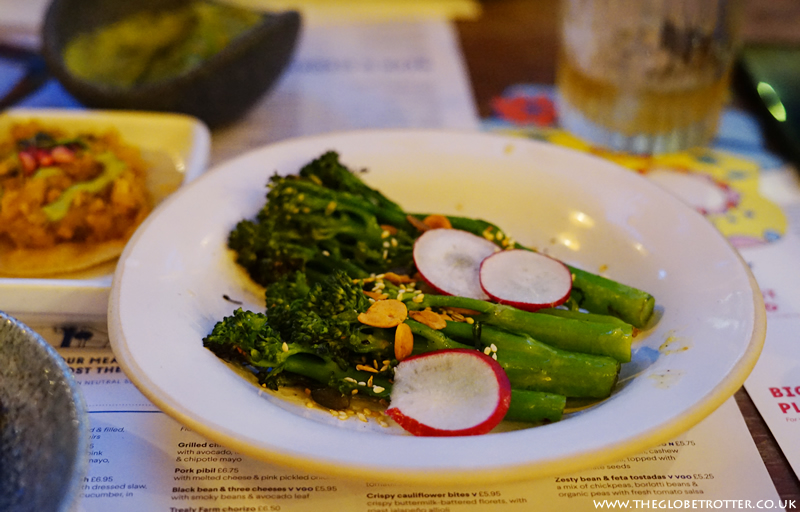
515, 41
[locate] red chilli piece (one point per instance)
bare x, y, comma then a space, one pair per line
28, 162
62, 155
44, 158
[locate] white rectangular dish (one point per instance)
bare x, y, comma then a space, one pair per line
177, 147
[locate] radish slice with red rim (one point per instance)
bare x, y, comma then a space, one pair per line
525, 279
452, 392
449, 260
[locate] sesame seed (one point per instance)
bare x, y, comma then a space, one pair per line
419, 298
362, 417
394, 242
366, 368
487, 351
354, 392
385, 234
493, 347
326, 253
350, 379
494, 356
361, 383
378, 389
385, 254
285, 347
386, 244
310, 404
470, 320
369, 382
400, 295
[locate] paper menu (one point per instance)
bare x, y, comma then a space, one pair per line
774, 384
141, 459
361, 76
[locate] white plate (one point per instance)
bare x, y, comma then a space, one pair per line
170, 285
176, 146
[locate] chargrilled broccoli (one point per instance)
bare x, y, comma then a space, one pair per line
328, 171
324, 237
323, 220
309, 329
247, 337
324, 315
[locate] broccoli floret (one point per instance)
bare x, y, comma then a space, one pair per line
309, 329
328, 171
324, 317
306, 225
246, 337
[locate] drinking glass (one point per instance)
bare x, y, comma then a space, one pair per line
646, 76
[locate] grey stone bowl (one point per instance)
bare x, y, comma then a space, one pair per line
44, 427
218, 92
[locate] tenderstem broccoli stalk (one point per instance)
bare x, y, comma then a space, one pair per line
532, 365
591, 292
535, 406
326, 371
590, 337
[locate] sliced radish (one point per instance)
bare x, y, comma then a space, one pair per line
452, 392
449, 260
525, 279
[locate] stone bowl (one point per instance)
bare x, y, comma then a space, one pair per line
44, 427
218, 91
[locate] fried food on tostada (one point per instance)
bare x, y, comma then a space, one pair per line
68, 202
